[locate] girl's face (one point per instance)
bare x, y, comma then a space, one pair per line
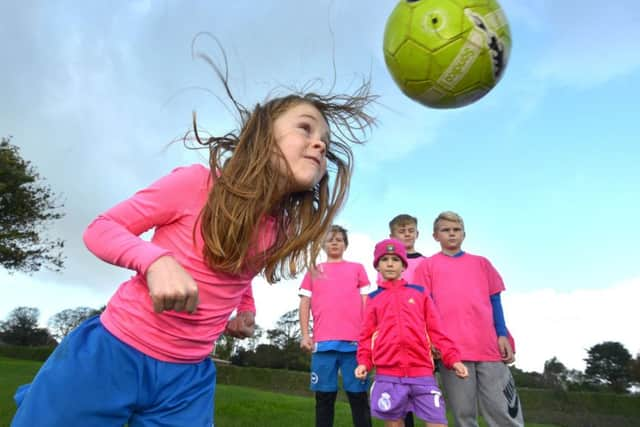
303, 135
390, 267
334, 245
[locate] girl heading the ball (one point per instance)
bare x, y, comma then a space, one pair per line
262, 206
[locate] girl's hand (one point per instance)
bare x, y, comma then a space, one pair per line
361, 372
461, 370
241, 326
171, 287
505, 350
306, 343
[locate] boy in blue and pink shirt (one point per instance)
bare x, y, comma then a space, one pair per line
466, 291
334, 294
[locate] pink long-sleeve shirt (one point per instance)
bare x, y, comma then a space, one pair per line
172, 206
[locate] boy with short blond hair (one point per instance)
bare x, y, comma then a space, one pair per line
466, 291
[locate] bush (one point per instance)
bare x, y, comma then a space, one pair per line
276, 380
38, 353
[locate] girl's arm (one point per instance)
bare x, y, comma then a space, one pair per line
114, 235
243, 325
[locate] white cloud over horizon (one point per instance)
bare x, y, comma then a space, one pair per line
564, 324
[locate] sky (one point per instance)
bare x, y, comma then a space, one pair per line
543, 169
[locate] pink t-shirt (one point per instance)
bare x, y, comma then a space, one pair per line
336, 290
461, 287
171, 205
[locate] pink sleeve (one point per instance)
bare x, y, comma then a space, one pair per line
363, 279
493, 278
113, 236
306, 282
247, 303
439, 339
421, 274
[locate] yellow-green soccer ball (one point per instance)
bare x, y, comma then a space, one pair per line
447, 53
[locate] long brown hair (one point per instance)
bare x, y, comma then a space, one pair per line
248, 186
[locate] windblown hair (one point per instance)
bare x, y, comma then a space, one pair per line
448, 216
402, 219
248, 185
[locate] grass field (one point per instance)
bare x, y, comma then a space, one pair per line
235, 406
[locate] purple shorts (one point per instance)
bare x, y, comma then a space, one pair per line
393, 397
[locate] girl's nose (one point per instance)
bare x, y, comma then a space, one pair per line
320, 144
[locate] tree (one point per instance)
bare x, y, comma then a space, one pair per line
27, 206
608, 363
287, 330
225, 347
251, 343
555, 373
634, 369
60, 324
21, 328
286, 337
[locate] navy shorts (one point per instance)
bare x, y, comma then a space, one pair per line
94, 379
324, 372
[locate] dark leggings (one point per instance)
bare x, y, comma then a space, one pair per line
325, 408
408, 420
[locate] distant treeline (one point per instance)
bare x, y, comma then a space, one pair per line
610, 366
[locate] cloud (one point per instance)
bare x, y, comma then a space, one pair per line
564, 324
581, 44
19, 290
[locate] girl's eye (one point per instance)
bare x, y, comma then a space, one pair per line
305, 127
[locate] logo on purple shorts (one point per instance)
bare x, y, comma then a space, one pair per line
384, 403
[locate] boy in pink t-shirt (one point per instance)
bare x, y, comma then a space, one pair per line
334, 294
466, 291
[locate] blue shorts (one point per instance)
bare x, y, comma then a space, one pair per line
324, 372
393, 397
94, 379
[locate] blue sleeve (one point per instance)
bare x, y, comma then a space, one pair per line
498, 315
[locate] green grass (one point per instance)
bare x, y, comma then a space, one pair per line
235, 406
13, 372
244, 407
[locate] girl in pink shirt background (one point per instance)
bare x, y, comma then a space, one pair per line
335, 293
262, 206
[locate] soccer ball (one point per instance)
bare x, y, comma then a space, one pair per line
446, 53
